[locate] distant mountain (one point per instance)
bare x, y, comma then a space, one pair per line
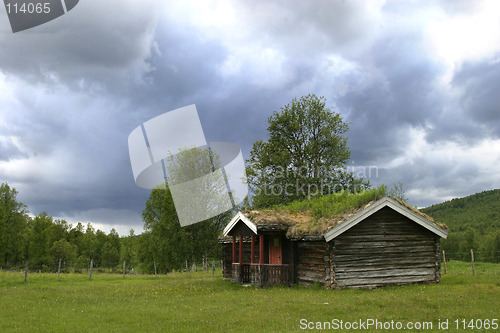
480, 211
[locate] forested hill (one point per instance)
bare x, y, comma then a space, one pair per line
473, 222
480, 211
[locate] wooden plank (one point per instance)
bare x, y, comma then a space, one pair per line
369, 248
309, 279
382, 261
384, 229
377, 237
367, 245
313, 260
382, 253
312, 244
401, 272
365, 268
383, 281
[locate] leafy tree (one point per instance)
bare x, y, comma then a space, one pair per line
169, 244
63, 250
398, 192
129, 249
13, 227
41, 241
306, 155
490, 248
100, 239
75, 236
109, 254
88, 249
469, 242
451, 245
145, 251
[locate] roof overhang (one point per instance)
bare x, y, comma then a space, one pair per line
378, 205
239, 217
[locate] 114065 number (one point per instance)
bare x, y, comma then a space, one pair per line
477, 324
28, 8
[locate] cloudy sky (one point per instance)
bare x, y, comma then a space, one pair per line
418, 81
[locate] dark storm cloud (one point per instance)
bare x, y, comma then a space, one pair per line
95, 43
401, 93
480, 100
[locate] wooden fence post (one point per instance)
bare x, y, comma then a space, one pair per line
59, 269
26, 272
154, 263
213, 268
187, 268
444, 261
91, 268
124, 269
472, 258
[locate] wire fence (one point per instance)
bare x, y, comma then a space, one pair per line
492, 257
90, 269
479, 256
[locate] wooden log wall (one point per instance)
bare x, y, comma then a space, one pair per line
227, 260
312, 262
384, 249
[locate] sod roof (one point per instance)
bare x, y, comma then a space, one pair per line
317, 216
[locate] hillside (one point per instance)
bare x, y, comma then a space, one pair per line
473, 222
480, 211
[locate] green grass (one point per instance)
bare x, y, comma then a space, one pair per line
201, 302
336, 204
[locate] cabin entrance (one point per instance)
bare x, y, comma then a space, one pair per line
275, 251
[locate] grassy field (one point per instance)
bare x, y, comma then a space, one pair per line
202, 302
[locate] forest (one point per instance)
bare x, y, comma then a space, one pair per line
43, 241
474, 223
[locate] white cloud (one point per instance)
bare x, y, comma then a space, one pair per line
466, 36
122, 220
446, 169
103, 41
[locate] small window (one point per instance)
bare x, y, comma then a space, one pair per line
276, 242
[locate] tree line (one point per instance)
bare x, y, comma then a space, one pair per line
43, 240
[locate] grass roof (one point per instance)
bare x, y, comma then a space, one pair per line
317, 215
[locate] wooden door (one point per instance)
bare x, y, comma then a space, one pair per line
275, 253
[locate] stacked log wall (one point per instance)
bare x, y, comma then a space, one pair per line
227, 260
312, 262
387, 248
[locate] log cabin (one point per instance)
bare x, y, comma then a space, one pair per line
384, 242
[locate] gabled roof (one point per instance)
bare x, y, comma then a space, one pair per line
239, 217
398, 206
301, 224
